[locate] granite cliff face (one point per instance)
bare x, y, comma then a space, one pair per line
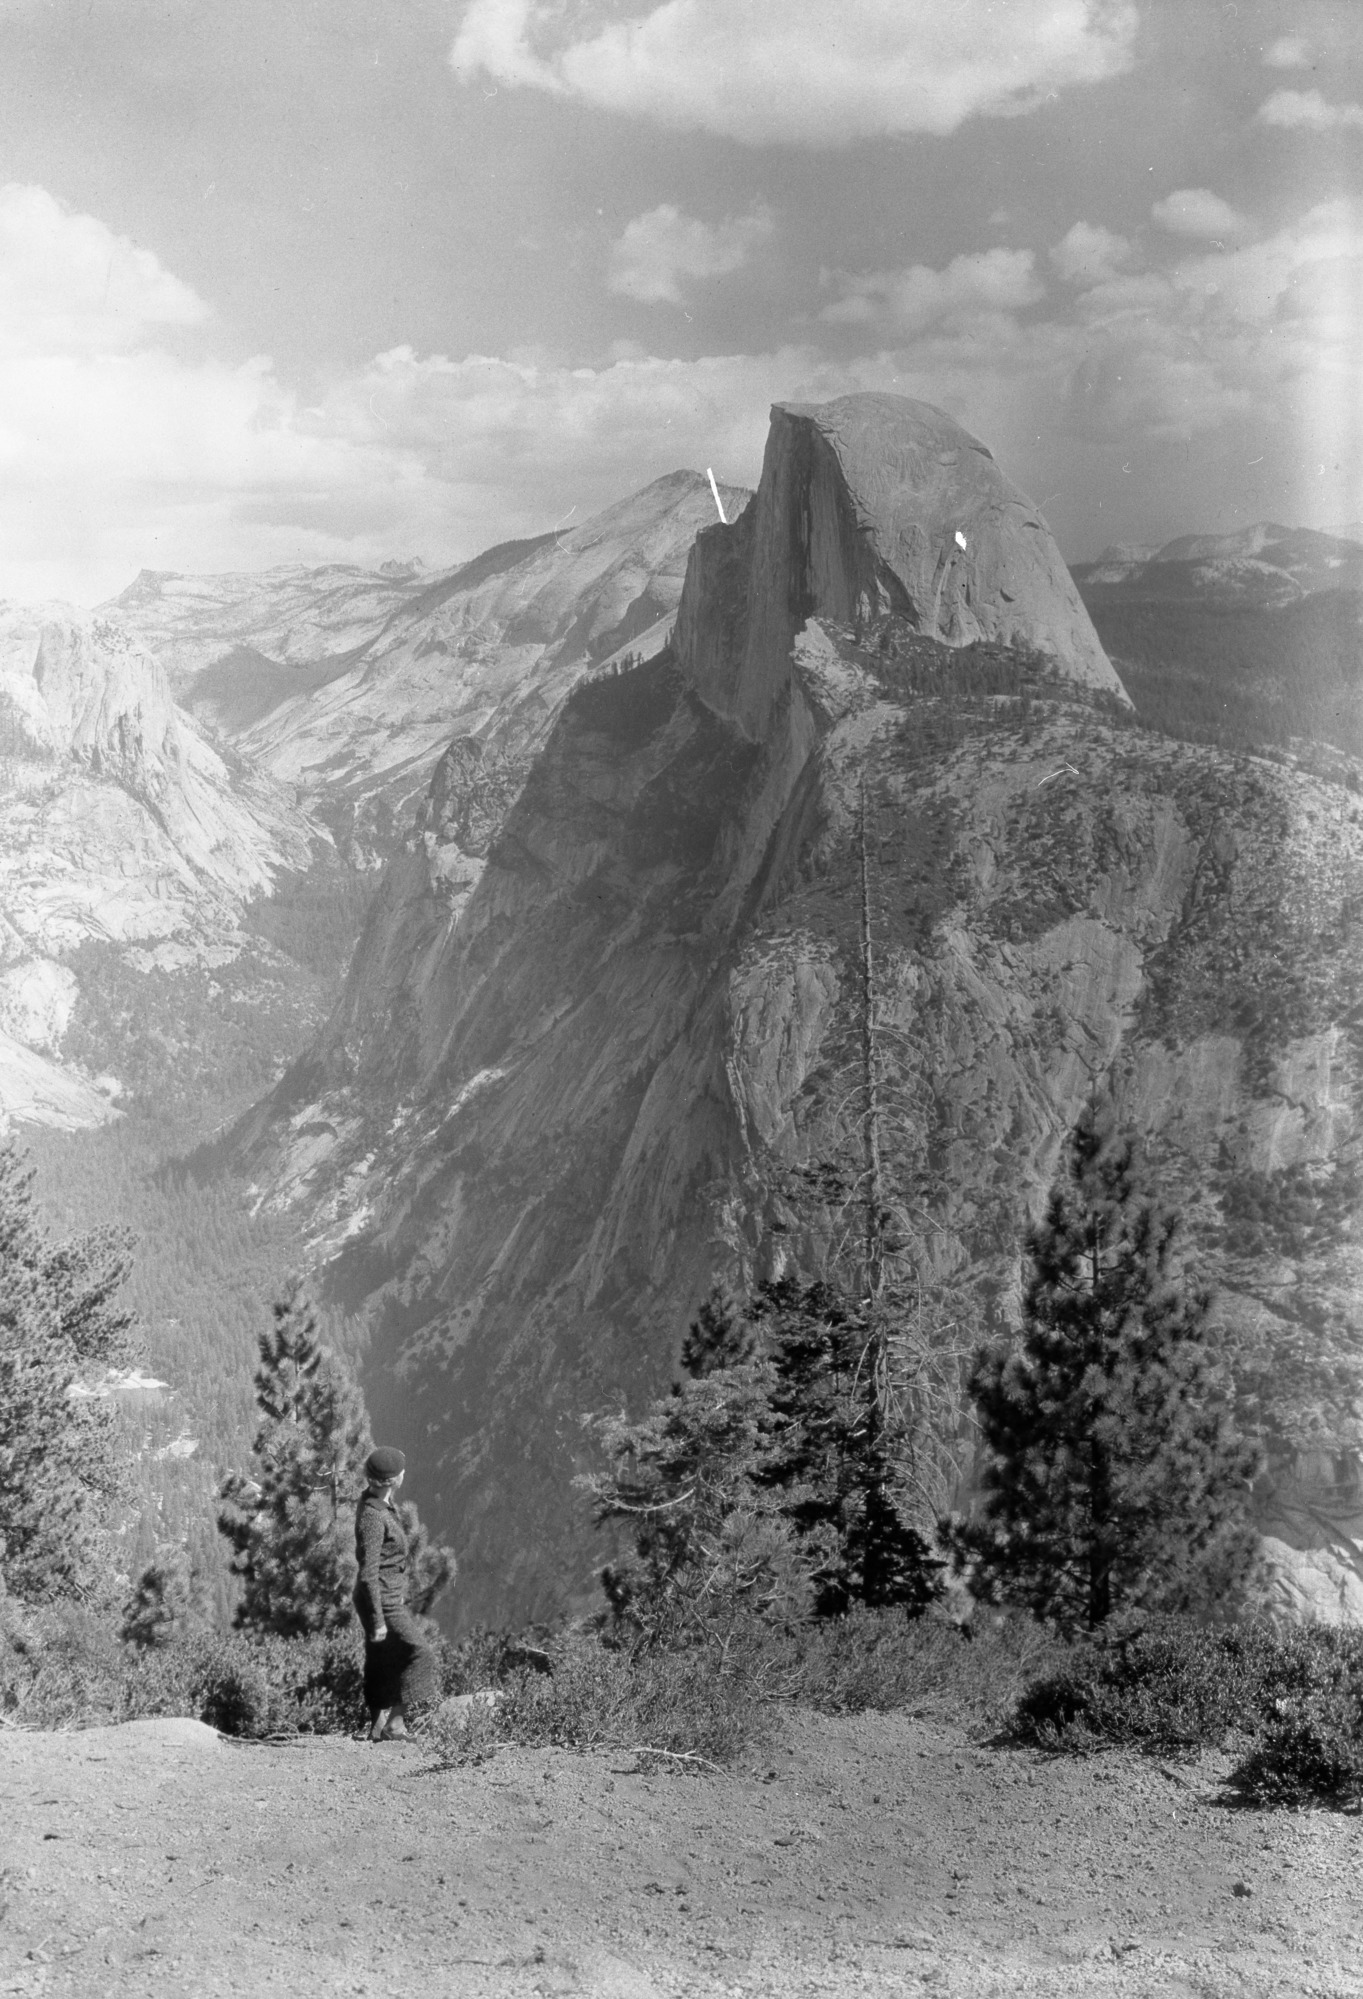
348, 688
118, 823
548, 1110
290, 616
873, 507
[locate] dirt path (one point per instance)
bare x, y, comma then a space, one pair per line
876, 1855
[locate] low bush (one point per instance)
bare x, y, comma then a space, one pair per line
882, 1661
705, 1705
1290, 1701
258, 1687
1311, 1754
72, 1672
678, 1708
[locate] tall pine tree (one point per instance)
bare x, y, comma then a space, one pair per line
1116, 1479
837, 1451
710, 1549
60, 1326
290, 1524
768, 1483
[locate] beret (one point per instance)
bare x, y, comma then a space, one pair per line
385, 1462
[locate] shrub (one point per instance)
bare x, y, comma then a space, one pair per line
75, 1674
1312, 1755
681, 1708
1293, 1699
882, 1662
261, 1686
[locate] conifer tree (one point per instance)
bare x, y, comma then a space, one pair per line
709, 1548
766, 1482
167, 1601
1116, 1478
835, 1455
60, 1470
288, 1525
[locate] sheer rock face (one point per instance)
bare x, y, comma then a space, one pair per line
870, 507
550, 1110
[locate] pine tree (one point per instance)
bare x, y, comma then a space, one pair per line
710, 1550
166, 1603
1116, 1479
60, 1468
288, 1526
766, 1483
836, 1453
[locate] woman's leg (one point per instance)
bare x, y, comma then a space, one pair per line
414, 1669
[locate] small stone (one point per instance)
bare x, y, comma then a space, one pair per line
1242, 1888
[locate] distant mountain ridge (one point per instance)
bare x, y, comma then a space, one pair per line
292, 614
1250, 640
487, 651
1265, 566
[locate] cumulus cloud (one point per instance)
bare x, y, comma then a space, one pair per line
69, 284
803, 72
985, 281
1288, 52
1267, 330
119, 449
1087, 253
1308, 111
664, 250
1196, 211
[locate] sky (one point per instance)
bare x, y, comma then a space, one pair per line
350, 280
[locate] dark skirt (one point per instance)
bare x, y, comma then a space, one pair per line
402, 1667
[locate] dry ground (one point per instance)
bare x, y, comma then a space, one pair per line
876, 1855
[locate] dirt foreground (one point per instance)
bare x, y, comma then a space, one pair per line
873, 1855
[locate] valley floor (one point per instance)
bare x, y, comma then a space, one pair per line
864, 1856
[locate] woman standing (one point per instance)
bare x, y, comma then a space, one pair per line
399, 1665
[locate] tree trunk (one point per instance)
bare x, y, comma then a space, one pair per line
873, 1231
1100, 1543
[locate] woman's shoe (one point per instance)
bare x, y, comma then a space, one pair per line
377, 1718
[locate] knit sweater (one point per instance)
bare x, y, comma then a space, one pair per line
381, 1551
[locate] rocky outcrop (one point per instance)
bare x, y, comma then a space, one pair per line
870, 507
354, 716
543, 1119
118, 824
289, 617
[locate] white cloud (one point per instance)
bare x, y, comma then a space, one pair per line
68, 283
1307, 110
1087, 253
1196, 211
1267, 331
986, 281
803, 72
661, 251
1288, 52
118, 452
